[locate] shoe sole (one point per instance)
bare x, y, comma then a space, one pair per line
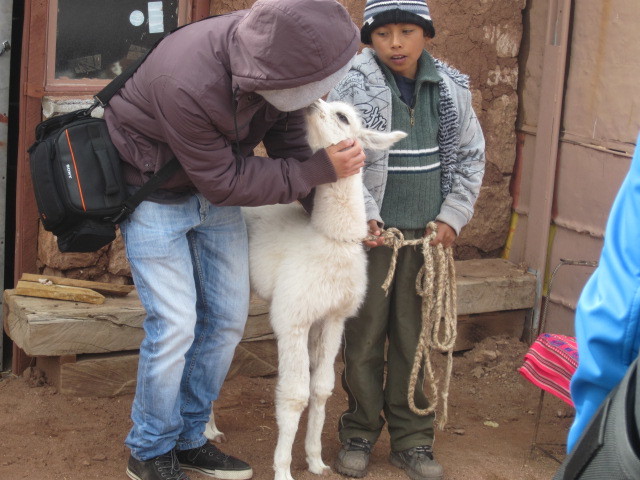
132, 475
349, 472
221, 474
412, 475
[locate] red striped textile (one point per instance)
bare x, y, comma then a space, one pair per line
550, 364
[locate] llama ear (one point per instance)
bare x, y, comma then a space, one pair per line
375, 140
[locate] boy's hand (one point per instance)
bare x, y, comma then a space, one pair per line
347, 157
375, 231
445, 235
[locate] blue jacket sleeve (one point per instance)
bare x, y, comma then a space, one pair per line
608, 312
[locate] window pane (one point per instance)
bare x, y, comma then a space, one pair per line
99, 38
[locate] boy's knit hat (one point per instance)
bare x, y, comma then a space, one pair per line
382, 12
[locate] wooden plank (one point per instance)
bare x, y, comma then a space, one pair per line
45, 327
258, 306
53, 327
255, 359
100, 287
108, 375
115, 374
32, 72
493, 285
484, 285
58, 292
257, 328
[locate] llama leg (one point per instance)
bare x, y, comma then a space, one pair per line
211, 430
292, 394
324, 343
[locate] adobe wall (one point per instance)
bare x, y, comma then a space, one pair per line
481, 39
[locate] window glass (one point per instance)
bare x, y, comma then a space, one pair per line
97, 39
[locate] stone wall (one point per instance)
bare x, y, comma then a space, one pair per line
481, 39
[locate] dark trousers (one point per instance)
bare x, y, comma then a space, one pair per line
396, 318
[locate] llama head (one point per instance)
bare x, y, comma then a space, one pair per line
338, 208
329, 123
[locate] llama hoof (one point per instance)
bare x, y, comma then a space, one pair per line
214, 434
219, 438
318, 467
325, 471
283, 475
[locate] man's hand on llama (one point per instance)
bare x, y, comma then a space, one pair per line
445, 235
347, 157
374, 231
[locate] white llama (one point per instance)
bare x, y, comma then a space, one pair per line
312, 268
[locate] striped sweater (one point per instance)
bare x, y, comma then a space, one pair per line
412, 195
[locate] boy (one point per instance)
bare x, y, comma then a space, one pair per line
433, 174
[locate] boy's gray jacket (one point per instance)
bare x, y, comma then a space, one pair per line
460, 137
193, 98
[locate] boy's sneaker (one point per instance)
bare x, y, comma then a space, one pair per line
418, 463
209, 460
163, 467
353, 457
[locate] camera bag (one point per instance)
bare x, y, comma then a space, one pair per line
609, 447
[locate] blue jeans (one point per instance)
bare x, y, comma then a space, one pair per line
189, 262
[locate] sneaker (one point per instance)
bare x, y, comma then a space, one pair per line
353, 457
209, 460
418, 463
163, 467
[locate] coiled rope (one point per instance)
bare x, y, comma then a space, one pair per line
436, 284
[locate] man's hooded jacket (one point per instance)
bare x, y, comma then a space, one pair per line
194, 98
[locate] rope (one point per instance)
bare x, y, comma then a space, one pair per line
436, 284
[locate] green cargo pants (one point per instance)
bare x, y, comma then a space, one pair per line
396, 318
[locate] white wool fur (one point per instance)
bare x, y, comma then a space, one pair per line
312, 268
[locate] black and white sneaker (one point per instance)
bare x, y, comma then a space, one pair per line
162, 467
209, 460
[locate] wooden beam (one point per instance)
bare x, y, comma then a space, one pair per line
58, 292
52, 328
32, 73
200, 10
547, 144
30, 114
100, 287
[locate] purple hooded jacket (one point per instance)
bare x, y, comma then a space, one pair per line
193, 98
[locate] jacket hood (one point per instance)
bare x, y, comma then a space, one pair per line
283, 44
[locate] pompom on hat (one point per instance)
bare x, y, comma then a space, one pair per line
382, 12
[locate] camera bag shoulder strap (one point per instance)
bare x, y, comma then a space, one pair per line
149, 186
104, 95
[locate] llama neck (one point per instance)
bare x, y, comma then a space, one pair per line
338, 210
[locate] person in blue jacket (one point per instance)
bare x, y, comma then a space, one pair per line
607, 318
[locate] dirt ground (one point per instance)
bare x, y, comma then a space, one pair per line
48, 436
